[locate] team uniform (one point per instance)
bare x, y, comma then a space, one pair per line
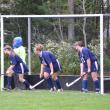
20, 67
87, 54
46, 58
84, 55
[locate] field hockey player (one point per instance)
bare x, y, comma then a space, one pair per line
88, 64
17, 66
50, 66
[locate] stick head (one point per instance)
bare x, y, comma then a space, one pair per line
67, 85
30, 87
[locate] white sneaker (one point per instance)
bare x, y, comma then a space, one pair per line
84, 90
60, 90
52, 90
97, 92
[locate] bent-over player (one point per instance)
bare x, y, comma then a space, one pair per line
88, 64
17, 66
50, 66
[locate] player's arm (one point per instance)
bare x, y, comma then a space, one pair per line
88, 60
49, 61
51, 68
89, 65
41, 67
41, 70
10, 68
81, 69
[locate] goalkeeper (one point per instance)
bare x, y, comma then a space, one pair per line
19, 49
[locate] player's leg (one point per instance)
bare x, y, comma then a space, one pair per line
96, 81
94, 69
9, 74
21, 79
55, 77
49, 81
85, 83
16, 81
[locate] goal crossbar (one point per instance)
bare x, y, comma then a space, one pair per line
52, 16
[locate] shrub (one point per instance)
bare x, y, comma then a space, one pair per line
66, 55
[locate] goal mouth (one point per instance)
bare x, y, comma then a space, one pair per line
29, 17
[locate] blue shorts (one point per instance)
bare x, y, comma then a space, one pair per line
94, 67
20, 69
56, 68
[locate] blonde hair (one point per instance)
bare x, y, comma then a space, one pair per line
38, 47
8, 47
78, 43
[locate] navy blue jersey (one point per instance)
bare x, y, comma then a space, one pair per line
19, 65
87, 54
46, 58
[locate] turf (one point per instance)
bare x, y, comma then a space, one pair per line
44, 100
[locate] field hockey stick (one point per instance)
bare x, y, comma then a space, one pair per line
75, 81
38, 83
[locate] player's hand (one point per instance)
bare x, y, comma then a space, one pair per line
41, 75
82, 74
51, 73
89, 70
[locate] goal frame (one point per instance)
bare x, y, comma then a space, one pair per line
29, 39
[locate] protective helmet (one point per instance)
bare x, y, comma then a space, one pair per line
17, 42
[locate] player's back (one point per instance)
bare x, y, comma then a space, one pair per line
89, 54
49, 55
18, 64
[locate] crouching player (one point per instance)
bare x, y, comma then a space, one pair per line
88, 64
49, 67
19, 50
17, 66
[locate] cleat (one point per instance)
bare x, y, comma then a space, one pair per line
84, 91
7, 89
97, 92
60, 90
52, 90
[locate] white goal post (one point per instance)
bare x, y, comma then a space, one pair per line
29, 38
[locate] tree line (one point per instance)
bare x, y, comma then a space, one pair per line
58, 30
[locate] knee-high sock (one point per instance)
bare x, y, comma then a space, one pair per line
9, 80
97, 85
27, 84
58, 84
50, 83
84, 85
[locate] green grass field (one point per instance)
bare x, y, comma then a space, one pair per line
45, 100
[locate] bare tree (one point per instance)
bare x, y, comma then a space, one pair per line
71, 24
84, 23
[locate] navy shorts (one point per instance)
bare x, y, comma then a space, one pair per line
56, 68
94, 67
20, 69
